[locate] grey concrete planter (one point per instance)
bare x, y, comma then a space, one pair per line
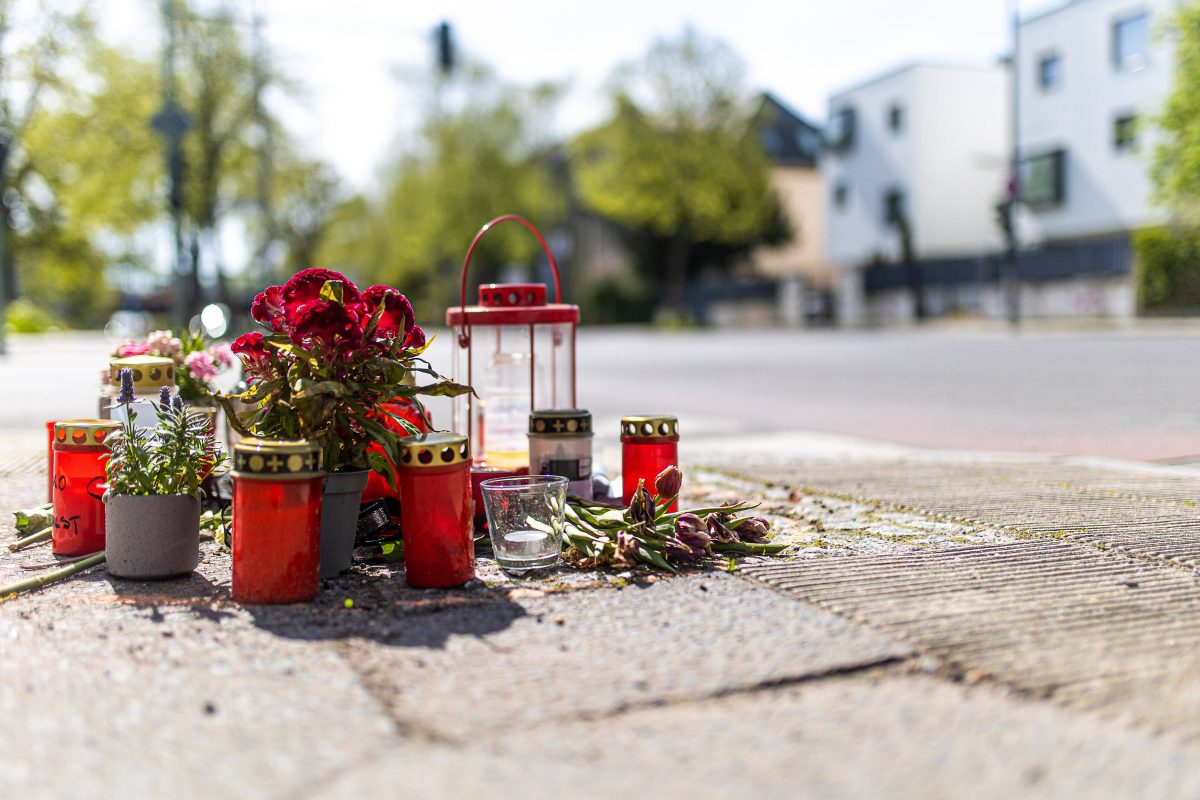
339, 519
151, 536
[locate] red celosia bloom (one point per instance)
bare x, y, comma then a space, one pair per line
268, 308
326, 322
254, 353
397, 318
415, 338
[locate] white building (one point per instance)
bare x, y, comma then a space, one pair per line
925, 146
1090, 76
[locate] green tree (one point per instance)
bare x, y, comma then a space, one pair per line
480, 151
32, 69
1176, 167
679, 165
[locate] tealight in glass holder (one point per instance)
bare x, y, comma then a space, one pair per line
526, 521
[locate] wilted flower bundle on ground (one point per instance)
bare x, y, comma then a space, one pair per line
331, 361
645, 533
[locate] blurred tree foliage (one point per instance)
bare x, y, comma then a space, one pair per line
1176, 167
1168, 269
85, 171
679, 165
480, 151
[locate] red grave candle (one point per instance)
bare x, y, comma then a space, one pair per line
277, 488
649, 445
435, 510
80, 454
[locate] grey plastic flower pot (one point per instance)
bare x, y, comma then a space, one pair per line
339, 519
148, 537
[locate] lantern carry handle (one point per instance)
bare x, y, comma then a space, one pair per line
463, 337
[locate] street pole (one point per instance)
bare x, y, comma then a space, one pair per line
172, 123
1012, 271
266, 166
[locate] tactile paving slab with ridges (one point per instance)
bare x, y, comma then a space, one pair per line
1089, 628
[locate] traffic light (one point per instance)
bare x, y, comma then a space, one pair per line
445, 48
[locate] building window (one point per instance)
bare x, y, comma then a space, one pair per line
1125, 133
1049, 73
1131, 42
893, 207
840, 195
841, 130
1043, 179
895, 118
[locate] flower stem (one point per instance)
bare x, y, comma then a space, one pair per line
37, 582
32, 539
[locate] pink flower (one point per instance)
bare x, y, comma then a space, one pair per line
221, 355
201, 366
164, 345
132, 348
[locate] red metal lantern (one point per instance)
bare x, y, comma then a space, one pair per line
81, 451
518, 352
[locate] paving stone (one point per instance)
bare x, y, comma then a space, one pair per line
458, 673
865, 735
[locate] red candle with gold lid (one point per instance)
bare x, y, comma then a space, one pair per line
649, 444
81, 451
435, 510
277, 488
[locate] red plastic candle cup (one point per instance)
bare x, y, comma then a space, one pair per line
80, 454
649, 445
435, 510
277, 488
50, 460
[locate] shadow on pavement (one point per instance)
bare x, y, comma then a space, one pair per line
384, 609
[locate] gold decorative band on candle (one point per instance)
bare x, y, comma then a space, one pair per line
434, 450
660, 426
149, 372
560, 422
84, 432
276, 459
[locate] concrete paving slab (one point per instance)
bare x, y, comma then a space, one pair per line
456, 675
867, 735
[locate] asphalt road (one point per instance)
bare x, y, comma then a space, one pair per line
1126, 394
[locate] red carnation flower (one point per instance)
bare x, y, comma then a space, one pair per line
397, 318
268, 308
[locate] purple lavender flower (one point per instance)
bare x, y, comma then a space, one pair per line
177, 404
164, 396
126, 394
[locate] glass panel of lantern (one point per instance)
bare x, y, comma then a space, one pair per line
518, 352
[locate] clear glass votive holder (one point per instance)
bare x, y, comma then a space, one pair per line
526, 520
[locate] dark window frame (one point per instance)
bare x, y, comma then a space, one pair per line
843, 126
1049, 57
895, 118
1128, 62
1056, 195
841, 195
1125, 132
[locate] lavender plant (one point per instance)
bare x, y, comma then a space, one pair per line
171, 458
